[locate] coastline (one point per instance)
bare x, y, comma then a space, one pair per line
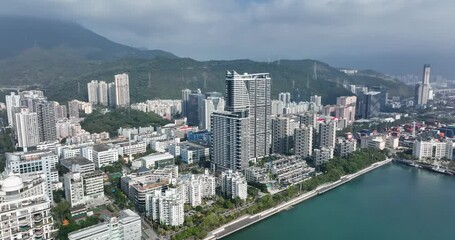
248, 220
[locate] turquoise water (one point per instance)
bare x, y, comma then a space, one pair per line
392, 202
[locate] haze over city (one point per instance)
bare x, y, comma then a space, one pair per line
387, 35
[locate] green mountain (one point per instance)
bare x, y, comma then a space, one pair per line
65, 65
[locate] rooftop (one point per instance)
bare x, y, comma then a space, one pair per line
68, 162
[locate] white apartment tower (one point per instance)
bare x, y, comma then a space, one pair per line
92, 89
327, 131
122, 90
233, 185
303, 141
165, 207
12, 101
26, 128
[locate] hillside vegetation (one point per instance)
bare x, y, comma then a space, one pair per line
98, 122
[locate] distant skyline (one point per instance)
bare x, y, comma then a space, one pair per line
394, 36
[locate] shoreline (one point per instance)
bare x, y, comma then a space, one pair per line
248, 220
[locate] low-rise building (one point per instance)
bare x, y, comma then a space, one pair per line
322, 155
432, 150
103, 155
127, 226
344, 147
289, 169
157, 160
233, 185
78, 164
256, 174
165, 207
84, 188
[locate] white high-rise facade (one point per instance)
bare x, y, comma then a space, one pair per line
122, 90
209, 106
13, 100
233, 185
103, 96
303, 141
327, 131
26, 128
250, 93
92, 89
424, 88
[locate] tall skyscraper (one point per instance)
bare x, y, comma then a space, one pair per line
92, 89
346, 108
303, 141
46, 121
185, 99
26, 128
122, 90
103, 93
316, 99
111, 94
13, 100
250, 93
195, 100
424, 88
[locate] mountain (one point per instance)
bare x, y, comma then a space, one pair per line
22, 33
62, 57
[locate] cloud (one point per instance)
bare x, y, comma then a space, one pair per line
207, 29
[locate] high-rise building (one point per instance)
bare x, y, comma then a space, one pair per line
26, 128
127, 226
250, 93
316, 99
322, 155
345, 108
423, 90
25, 208
46, 121
185, 99
209, 105
12, 101
111, 94
368, 105
327, 133
344, 147
284, 97
122, 90
103, 95
303, 141
92, 89
230, 140
73, 109
60, 111
281, 135
309, 119
195, 100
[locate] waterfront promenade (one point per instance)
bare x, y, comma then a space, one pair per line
248, 220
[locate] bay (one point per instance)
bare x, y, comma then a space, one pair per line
392, 202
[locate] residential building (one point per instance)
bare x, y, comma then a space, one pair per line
285, 98
289, 169
282, 133
322, 155
78, 164
210, 105
111, 94
26, 128
327, 133
46, 121
127, 226
303, 141
344, 147
233, 185
122, 90
250, 94
103, 93
12, 101
92, 89
73, 109
25, 209
195, 187
165, 207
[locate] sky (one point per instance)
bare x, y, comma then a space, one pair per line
342, 32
